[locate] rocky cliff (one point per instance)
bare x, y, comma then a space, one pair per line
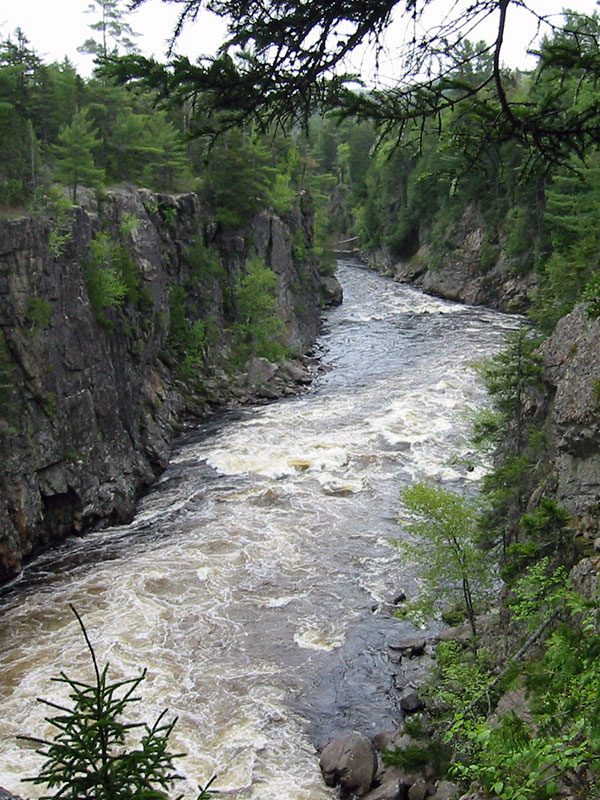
464, 267
571, 359
91, 379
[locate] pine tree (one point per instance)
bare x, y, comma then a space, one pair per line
115, 34
165, 153
74, 159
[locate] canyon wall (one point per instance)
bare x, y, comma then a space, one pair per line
91, 391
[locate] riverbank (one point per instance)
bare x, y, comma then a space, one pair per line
117, 318
466, 270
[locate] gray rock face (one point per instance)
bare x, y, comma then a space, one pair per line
571, 357
350, 761
89, 396
463, 273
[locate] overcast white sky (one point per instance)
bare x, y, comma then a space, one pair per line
56, 28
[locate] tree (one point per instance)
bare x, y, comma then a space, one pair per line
283, 60
74, 159
260, 330
238, 178
165, 159
92, 755
450, 564
20, 107
572, 220
115, 33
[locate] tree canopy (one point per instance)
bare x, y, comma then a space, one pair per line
282, 60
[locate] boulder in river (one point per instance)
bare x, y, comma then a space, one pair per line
295, 371
331, 291
350, 761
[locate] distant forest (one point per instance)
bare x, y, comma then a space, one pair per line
59, 129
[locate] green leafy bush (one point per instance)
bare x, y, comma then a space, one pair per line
38, 313
450, 564
112, 275
556, 743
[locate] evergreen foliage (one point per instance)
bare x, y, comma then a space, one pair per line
115, 33
74, 157
96, 753
259, 331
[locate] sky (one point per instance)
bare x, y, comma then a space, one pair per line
55, 28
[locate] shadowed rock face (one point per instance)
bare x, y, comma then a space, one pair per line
572, 372
89, 405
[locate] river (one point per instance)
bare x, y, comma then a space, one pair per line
255, 582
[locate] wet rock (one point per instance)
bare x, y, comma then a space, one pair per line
350, 761
411, 703
399, 598
267, 393
294, 371
331, 291
410, 647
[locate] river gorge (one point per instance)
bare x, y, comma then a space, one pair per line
257, 579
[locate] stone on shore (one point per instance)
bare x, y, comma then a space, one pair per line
391, 790
410, 647
350, 761
411, 703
